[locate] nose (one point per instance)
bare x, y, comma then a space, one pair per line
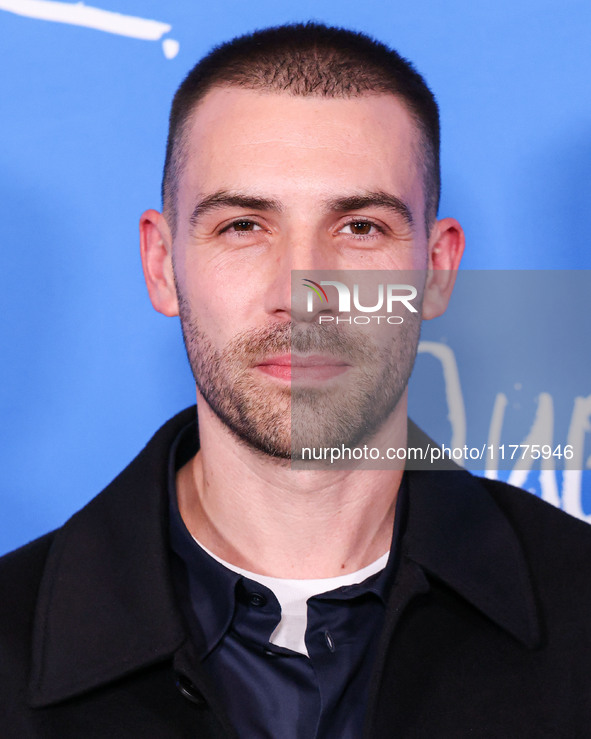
294, 291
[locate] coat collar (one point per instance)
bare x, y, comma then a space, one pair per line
457, 534
106, 605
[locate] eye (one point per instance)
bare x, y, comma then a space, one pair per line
242, 225
359, 227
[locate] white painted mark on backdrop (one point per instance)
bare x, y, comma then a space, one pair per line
79, 14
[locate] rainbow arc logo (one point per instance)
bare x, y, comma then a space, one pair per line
315, 287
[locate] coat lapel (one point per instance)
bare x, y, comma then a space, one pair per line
106, 605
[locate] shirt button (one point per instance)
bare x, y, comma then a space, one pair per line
189, 691
329, 640
257, 599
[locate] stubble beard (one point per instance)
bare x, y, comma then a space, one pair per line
278, 420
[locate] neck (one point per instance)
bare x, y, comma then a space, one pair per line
267, 518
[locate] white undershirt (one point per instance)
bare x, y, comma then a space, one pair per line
293, 596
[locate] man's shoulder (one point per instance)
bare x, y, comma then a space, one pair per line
535, 518
71, 598
20, 573
519, 561
138, 487
557, 545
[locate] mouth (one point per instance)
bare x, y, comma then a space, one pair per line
303, 367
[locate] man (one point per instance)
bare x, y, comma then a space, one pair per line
212, 590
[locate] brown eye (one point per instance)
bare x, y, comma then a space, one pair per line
360, 228
243, 226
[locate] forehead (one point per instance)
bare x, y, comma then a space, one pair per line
299, 146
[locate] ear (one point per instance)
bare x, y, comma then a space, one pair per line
156, 251
446, 246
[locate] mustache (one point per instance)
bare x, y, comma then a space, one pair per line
284, 338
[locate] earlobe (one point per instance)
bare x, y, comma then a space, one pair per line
446, 246
156, 253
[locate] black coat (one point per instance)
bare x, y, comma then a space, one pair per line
487, 632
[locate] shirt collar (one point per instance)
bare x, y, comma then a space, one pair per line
212, 587
199, 579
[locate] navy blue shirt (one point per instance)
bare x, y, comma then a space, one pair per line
270, 691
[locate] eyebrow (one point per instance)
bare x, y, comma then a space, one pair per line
376, 199
228, 199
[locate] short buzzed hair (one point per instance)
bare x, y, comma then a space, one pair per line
308, 60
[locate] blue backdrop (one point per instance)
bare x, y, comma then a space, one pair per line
89, 370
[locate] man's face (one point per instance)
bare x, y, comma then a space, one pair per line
275, 183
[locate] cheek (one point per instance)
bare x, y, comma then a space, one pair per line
242, 308
222, 312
